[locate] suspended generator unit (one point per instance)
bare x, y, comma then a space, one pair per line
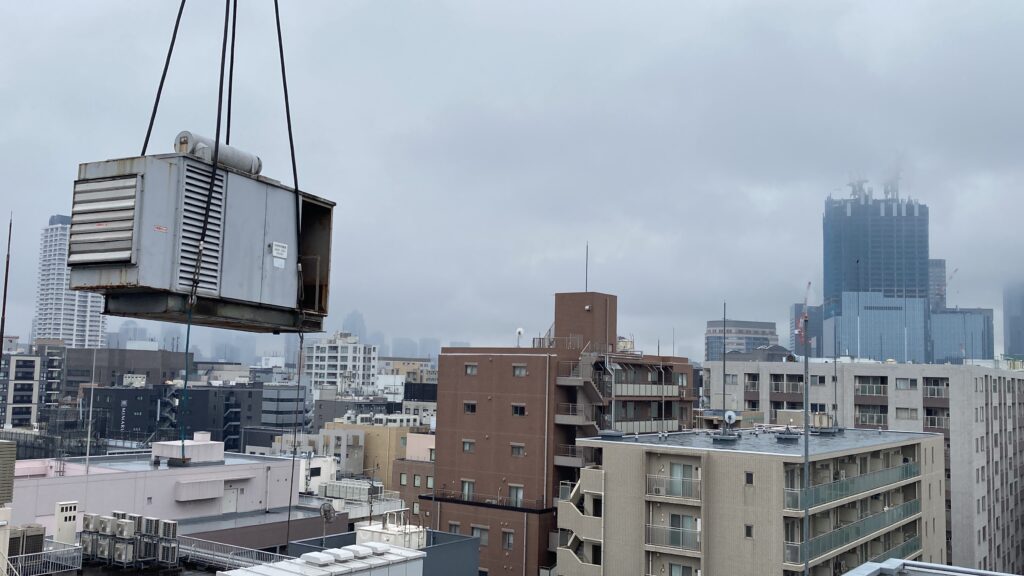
136, 226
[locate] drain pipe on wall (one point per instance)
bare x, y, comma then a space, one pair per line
547, 387
524, 542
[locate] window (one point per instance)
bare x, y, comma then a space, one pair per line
453, 527
507, 539
748, 531
518, 450
417, 480
817, 380
430, 481
906, 413
467, 489
749, 478
906, 383
731, 379
468, 446
469, 407
403, 479
432, 454
480, 532
515, 495
415, 507
471, 369
519, 409
519, 370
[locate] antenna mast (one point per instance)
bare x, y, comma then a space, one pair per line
7, 276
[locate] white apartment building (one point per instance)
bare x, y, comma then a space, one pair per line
62, 314
978, 409
342, 361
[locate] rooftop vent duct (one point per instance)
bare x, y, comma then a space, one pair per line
201, 146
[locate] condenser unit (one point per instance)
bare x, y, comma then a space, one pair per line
150, 525
89, 522
136, 228
108, 525
168, 553
103, 548
125, 528
168, 529
124, 552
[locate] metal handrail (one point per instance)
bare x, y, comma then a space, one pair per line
675, 487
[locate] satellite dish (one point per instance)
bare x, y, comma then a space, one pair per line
730, 417
327, 512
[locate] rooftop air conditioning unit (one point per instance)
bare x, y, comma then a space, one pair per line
125, 528
137, 519
168, 529
136, 229
108, 525
168, 553
103, 549
89, 522
150, 526
118, 514
124, 552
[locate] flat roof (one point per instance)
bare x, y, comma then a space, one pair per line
850, 439
144, 462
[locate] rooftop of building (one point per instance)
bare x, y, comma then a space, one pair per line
742, 324
122, 463
766, 442
897, 566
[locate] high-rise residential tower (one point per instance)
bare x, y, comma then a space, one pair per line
63, 314
1013, 320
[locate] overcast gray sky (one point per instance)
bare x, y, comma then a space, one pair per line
473, 147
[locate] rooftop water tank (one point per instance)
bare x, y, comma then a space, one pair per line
135, 233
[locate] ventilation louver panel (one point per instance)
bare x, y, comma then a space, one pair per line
197, 187
102, 221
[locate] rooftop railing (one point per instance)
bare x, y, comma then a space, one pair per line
903, 550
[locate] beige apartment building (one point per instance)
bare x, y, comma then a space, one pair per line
977, 409
681, 504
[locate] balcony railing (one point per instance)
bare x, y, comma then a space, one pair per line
936, 391
903, 550
496, 500
788, 387
668, 537
673, 487
751, 386
936, 422
56, 558
872, 419
871, 390
585, 411
795, 552
825, 493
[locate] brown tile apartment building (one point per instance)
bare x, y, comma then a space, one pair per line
508, 419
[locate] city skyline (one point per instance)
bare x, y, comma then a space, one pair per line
656, 108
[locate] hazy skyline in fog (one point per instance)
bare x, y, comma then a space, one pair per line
473, 148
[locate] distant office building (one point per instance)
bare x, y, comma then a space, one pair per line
874, 245
402, 346
284, 406
975, 408
877, 327
815, 327
355, 324
1013, 320
430, 348
340, 360
53, 357
936, 284
72, 316
459, 344
111, 367
738, 335
20, 390
380, 340
681, 504
962, 334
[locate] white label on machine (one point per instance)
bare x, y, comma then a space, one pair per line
279, 263
279, 250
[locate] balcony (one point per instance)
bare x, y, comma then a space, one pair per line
796, 552
941, 422
787, 387
574, 414
503, 501
669, 487
676, 538
574, 456
906, 549
936, 391
872, 419
871, 390
751, 386
825, 493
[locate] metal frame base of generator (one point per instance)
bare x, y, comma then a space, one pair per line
216, 313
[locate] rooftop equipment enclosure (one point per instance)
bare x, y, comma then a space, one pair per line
135, 230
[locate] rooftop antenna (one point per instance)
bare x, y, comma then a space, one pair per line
7, 276
728, 416
586, 270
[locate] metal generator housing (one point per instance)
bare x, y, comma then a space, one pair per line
136, 225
